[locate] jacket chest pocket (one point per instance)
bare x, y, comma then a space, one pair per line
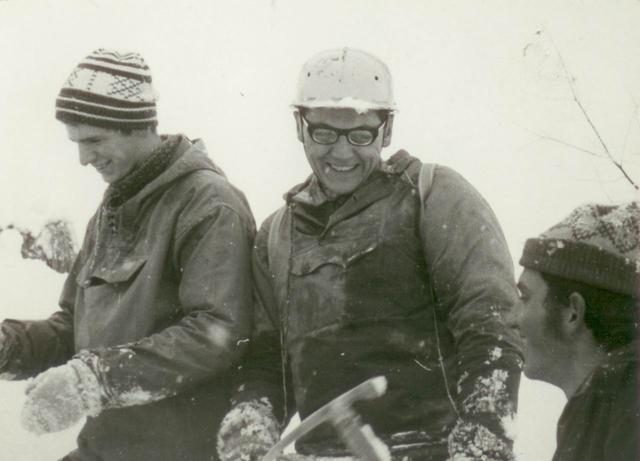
319, 289
121, 272
340, 255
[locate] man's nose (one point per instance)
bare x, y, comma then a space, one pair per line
513, 317
86, 155
342, 149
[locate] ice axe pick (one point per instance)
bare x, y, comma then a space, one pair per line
357, 436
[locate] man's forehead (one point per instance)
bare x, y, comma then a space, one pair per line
80, 132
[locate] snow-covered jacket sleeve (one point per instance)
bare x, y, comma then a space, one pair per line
261, 373
473, 283
212, 253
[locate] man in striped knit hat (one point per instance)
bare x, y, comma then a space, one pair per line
154, 312
579, 324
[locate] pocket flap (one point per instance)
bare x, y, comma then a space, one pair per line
116, 274
339, 253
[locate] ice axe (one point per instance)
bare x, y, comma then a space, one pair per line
358, 437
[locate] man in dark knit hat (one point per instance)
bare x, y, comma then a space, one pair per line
579, 324
154, 312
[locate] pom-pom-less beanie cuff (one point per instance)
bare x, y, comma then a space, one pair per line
582, 262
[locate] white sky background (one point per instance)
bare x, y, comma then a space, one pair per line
469, 95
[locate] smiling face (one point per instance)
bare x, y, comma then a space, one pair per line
545, 353
112, 153
341, 167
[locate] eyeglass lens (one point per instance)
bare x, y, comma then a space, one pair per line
329, 136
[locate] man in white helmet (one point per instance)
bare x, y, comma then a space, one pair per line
377, 267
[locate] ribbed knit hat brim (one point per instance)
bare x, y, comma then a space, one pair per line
598, 245
583, 263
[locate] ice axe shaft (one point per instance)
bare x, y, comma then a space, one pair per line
359, 438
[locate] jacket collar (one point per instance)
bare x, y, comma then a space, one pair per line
189, 156
310, 192
616, 360
378, 185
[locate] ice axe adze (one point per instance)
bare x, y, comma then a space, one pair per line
358, 437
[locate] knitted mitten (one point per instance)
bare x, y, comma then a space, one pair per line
60, 397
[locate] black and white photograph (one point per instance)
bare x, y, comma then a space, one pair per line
280, 230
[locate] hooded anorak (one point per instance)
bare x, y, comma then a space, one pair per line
160, 293
369, 284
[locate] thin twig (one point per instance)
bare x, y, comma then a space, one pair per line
546, 137
570, 81
572, 146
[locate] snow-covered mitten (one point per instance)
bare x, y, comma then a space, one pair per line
248, 431
473, 441
60, 397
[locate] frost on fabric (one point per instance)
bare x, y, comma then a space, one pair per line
299, 457
495, 354
248, 431
474, 442
553, 246
138, 396
489, 395
462, 378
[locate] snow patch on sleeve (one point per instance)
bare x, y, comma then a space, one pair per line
473, 442
248, 431
495, 354
138, 396
489, 395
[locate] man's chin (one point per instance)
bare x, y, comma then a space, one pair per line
335, 189
107, 178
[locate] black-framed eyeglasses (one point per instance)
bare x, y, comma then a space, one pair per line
359, 136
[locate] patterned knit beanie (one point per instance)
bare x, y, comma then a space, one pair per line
109, 89
598, 245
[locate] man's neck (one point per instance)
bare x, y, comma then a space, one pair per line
148, 145
586, 358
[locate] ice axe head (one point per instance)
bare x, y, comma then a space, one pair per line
358, 437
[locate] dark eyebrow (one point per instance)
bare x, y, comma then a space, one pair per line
89, 139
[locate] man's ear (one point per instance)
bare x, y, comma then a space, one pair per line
299, 125
574, 313
388, 129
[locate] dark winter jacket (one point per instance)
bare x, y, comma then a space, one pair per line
161, 293
356, 292
601, 421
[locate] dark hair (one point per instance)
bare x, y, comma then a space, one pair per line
611, 317
125, 131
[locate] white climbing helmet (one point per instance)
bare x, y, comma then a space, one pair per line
345, 78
